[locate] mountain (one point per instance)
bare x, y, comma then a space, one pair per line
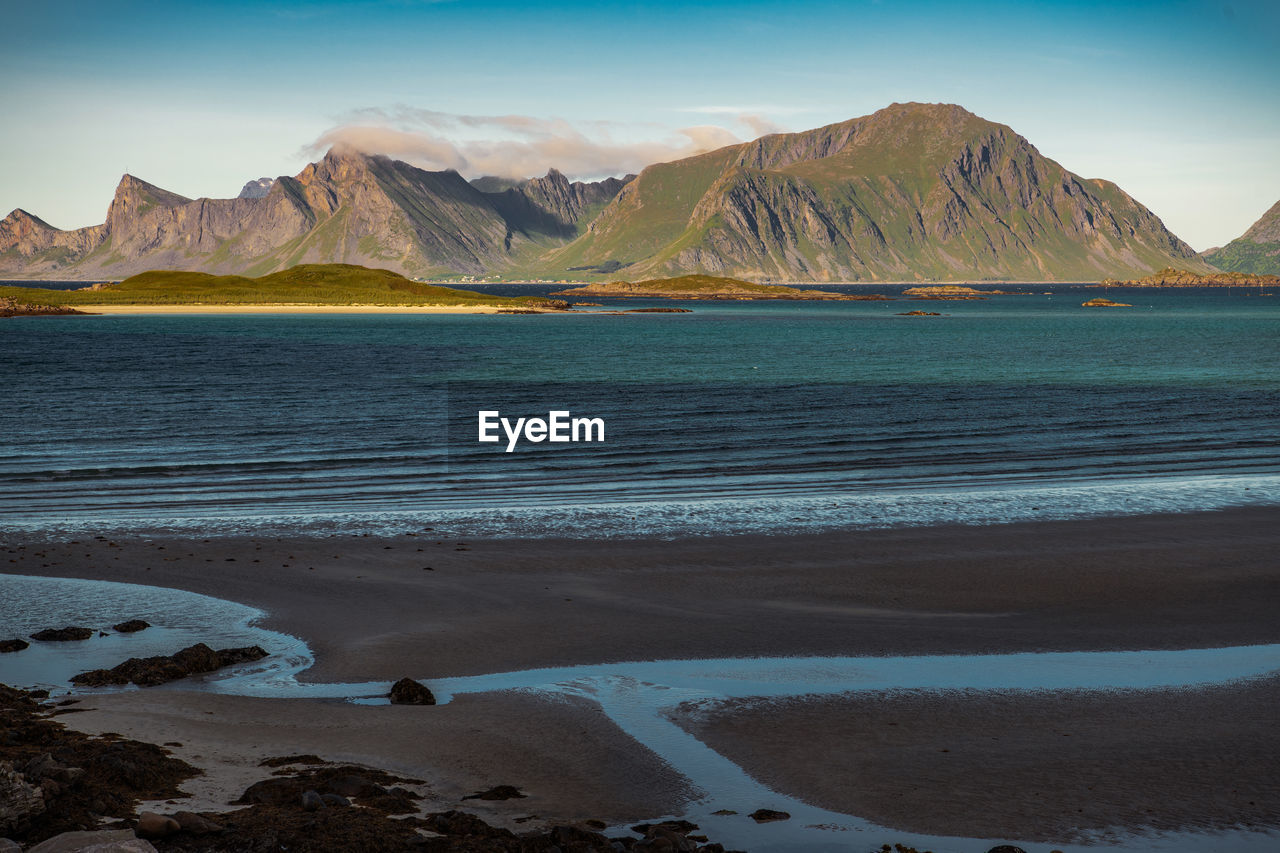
1255, 251
550, 205
915, 192
348, 207
912, 192
256, 189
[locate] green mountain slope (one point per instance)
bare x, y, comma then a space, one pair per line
1256, 251
913, 192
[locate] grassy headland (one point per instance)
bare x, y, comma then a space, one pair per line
306, 284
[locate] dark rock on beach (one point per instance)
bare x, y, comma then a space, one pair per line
499, 792
406, 691
195, 824
54, 780
284, 760
132, 626
152, 825
14, 645
327, 787
148, 672
768, 815
62, 635
244, 654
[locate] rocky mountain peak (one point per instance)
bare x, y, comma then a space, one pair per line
19, 218
135, 197
257, 189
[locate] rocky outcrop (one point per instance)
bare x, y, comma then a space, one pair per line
14, 308
14, 645
63, 635
406, 691
131, 626
20, 802
1170, 277
78, 778
148, 672
95, 841
1099, 302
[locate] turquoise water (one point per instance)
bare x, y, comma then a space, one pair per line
737, 417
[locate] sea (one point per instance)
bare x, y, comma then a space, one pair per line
738, 417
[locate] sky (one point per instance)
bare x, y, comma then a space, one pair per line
1176, 101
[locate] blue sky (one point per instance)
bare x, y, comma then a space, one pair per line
1175, 101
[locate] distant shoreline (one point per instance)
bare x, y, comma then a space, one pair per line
288, 308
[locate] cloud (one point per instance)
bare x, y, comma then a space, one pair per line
760, 126
516, 146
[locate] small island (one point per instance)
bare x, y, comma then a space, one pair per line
1104, 303
1170, 277
950, 292
707, 287
304, 288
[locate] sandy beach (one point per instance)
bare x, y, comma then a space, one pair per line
428, 605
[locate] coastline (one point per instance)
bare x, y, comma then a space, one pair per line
288, 308
370, 611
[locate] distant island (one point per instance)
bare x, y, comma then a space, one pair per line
1170, 277
706, 287
950, 291
1104, 303
324, 286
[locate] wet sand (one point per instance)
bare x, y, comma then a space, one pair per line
371, 610
1033, 766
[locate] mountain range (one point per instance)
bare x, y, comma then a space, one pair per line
915, 192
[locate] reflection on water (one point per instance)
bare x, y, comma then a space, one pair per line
639, 697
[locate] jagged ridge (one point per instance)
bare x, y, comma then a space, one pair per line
348, 207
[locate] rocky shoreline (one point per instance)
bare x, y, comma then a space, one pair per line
14, 308
62, 791
1170, 277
